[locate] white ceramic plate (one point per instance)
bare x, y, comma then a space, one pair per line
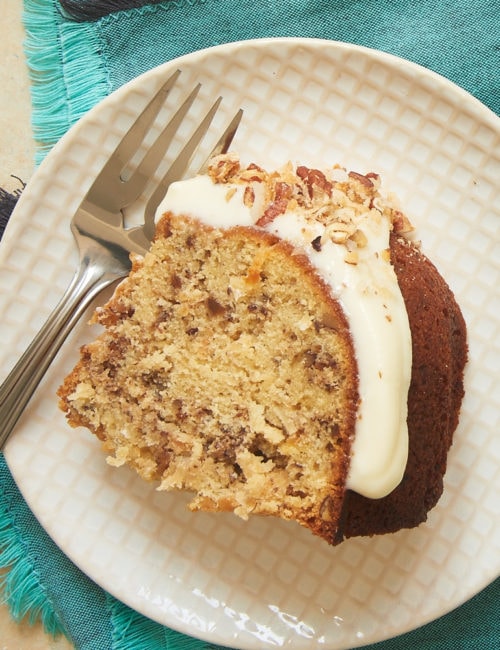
267, 583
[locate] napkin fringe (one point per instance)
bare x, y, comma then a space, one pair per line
83, 11
57, 103
132, 631
20, 587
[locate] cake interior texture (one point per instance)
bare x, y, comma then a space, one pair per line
225, 369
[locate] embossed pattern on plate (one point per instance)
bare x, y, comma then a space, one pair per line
267, 583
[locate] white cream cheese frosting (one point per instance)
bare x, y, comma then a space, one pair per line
343, 224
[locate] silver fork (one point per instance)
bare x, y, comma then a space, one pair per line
103, 241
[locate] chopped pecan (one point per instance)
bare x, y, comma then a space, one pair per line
364, 180
400, 223
223, 168
316, 243
253, 173
314, 177
359, 238
351, 257
248, 196
272, 211
282, 191
214, 307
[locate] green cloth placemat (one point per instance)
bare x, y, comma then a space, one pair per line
76, 64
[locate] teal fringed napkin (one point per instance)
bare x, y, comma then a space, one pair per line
76, 64
455, 38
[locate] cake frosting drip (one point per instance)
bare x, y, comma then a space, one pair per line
343, 223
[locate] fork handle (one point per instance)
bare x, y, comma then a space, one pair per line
21, 383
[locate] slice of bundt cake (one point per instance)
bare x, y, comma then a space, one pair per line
260, 354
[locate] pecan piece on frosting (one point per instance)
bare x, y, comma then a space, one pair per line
400, 223
312, 178
274, 209
364, 180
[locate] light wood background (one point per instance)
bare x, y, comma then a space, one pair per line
16, 158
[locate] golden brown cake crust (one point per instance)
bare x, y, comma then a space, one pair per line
439, 347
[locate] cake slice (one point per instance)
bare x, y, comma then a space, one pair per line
259, 356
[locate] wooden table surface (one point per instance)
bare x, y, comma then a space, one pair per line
16, 158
